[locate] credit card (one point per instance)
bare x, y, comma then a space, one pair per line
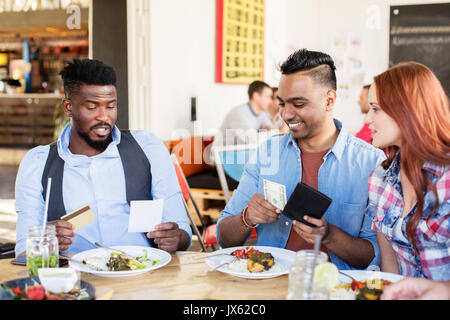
79, 218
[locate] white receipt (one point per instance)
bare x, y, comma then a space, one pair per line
145, 215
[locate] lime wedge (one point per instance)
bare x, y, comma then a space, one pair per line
326, 275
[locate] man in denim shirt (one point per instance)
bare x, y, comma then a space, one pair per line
319, 152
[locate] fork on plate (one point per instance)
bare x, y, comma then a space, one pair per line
223, 264
343, 273
115, 250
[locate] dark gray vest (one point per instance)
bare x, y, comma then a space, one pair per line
138, 177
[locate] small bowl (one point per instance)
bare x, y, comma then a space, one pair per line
58, 280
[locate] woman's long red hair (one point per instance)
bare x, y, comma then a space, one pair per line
414, 98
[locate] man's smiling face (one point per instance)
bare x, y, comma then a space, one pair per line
302, 104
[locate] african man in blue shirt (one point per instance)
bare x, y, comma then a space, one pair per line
96, 169
319, 152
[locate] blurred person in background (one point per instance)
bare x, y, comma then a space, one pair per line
409, 193
242, 123
365, 133
274, 111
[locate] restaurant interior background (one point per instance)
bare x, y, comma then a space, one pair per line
165, 54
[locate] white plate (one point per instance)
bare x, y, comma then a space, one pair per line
135, 251
282, 257
362, 275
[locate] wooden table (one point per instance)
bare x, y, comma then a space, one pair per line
184, 278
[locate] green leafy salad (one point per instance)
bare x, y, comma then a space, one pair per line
120, 262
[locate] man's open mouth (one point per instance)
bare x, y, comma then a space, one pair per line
295, 125
101, 130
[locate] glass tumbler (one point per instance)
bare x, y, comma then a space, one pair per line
300, 276
42, 249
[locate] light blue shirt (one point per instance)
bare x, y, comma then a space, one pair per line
343, 177
99, 182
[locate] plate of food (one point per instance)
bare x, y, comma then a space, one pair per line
30, 288
110, 264
255, 262
365, 285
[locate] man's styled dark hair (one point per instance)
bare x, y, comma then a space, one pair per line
320, 66
86, 71
256, 86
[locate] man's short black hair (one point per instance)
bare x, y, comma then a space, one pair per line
256, 86
320, 66
86, 71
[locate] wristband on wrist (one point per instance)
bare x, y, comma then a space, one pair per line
327, 233
248, 226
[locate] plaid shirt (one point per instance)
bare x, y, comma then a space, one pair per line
432, 234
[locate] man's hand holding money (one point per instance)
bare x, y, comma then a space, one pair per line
261, 211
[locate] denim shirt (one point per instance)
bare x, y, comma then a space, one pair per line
343, 177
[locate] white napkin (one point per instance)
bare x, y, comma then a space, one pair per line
145, 215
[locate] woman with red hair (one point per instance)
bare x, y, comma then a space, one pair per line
409, 193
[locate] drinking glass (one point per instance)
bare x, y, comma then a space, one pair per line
42, 249
300, 276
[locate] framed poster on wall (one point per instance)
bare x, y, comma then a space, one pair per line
240, 41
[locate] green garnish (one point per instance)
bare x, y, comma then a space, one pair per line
36, 262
